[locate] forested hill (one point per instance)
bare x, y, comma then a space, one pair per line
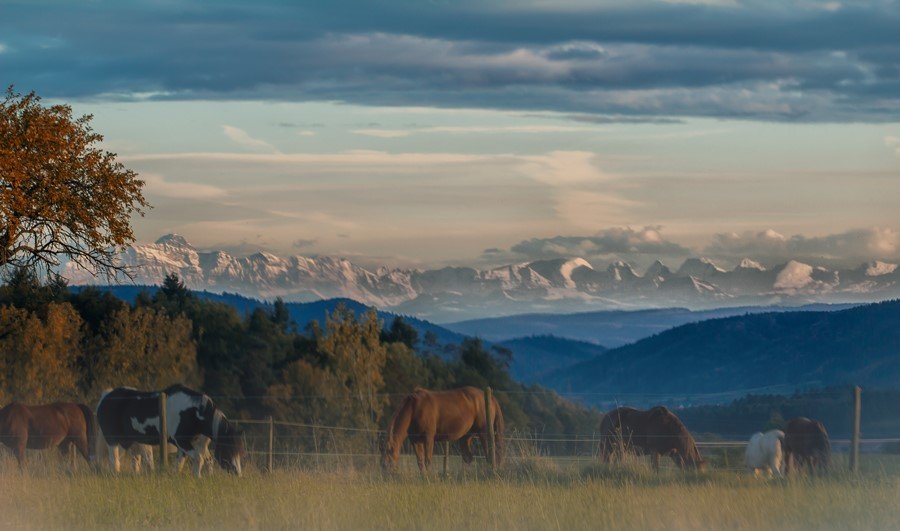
536, 356
781, 351
301, 313
348, 371
531, 357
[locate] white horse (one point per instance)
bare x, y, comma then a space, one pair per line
764, 452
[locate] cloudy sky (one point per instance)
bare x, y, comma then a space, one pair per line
423, 133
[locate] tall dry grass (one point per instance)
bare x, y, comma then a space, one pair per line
531, 492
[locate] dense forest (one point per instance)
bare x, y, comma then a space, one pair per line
785, 351
833, 406
62, 344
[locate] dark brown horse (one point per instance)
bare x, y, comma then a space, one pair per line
62, 425
806, 442
655, 432
427, 417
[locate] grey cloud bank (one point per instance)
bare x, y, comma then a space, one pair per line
756, 60
641, 246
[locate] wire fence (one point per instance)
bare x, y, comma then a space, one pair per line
317, 446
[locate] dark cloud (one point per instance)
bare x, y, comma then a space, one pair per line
847, 248
759, 60
601, 119
619, 242
302, 243
294, 125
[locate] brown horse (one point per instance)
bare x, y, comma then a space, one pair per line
806, 442
656, 432
427, 417
62, 425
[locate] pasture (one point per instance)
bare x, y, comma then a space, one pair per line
528, 492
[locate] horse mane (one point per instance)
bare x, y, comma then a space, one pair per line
401, 420
688, 445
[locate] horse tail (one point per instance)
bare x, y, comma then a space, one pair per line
499, 426
399, 426
90, 427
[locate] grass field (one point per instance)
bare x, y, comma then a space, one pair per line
536, 494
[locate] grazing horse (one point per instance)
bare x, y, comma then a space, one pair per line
656, 432
129, 417
62, 425
806, 442
427, 417
764, 452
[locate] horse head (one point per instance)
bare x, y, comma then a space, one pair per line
229, 445
390, 453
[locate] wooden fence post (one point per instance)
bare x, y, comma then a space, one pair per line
270, 453
489, 419
163, 434
854, 442
446, 457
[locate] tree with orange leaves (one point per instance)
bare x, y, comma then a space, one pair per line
61, 196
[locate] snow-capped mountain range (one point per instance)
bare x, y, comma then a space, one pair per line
455, 293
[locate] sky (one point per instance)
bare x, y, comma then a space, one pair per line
428, 133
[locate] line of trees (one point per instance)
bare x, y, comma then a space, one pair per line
62, 344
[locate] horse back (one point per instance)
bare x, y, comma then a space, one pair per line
804, 436
127, 416
448, 414
43, 425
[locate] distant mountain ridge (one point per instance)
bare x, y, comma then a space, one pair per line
729, 356
611, 328
536, 356
454, 293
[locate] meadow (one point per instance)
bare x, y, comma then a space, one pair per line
529, 493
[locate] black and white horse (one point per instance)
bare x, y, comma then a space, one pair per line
130, 417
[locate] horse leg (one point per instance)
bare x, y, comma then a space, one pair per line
465, 449
20, 452
419, 448
179, 465
84, 448
198, 463
429, 450
114, 462
654, 461
137, 460
203, 449
66, 449
605, 450
144, 454
773, 467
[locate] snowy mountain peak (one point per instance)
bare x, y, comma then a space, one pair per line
657, 270
700, 268
174, 240
747, 263
621, 271
453, 293
794, 275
